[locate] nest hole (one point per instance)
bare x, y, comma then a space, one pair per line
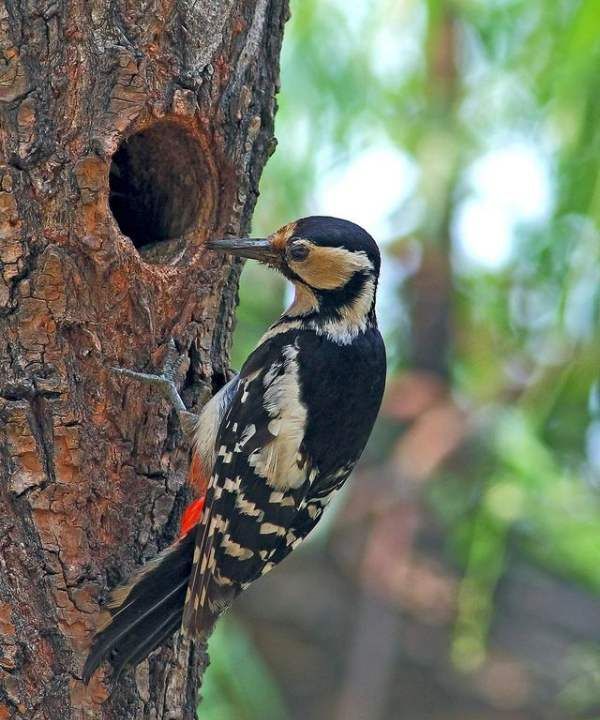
156, 179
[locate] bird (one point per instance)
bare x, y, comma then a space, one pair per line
276, 443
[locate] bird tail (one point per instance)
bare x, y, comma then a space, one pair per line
144, 612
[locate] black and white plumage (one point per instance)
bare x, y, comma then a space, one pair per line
277, 441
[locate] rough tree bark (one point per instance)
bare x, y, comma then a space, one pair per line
130, 132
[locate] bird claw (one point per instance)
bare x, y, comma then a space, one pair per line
172, 361
165, 384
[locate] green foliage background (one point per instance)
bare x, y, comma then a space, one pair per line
525, 347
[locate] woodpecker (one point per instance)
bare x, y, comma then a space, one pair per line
276, 442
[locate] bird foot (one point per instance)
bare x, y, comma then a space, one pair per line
165, 384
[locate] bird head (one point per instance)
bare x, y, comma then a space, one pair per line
334, 264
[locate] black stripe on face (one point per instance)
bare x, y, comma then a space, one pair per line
332, 302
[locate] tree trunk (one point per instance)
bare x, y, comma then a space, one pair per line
131, 131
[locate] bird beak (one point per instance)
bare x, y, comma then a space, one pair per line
256, 248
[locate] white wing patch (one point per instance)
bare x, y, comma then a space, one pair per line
282, 499
246, 507
277, 462
272, 529
235, 549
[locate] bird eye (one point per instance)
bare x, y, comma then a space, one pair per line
298, 251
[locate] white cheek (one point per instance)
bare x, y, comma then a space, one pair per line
330, 268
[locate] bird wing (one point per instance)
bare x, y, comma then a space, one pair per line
260, 478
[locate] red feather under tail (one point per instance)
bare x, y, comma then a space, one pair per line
191, 516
